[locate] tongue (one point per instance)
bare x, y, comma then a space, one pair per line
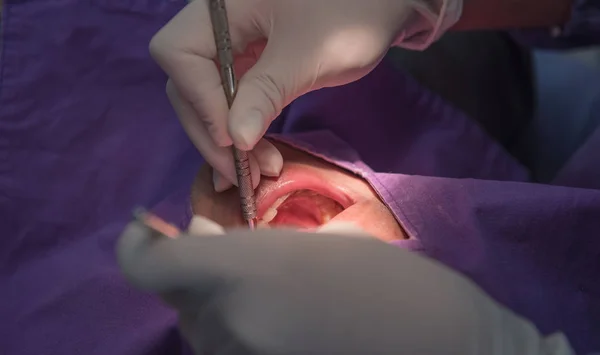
305, 211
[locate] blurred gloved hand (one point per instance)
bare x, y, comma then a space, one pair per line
284, 49
334, 292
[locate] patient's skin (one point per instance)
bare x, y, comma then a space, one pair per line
363, 206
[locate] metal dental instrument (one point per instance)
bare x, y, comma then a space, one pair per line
220, 24
156, 223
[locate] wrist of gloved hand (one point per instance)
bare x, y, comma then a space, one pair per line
429, 21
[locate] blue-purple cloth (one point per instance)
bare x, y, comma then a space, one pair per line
86, 133
583, 29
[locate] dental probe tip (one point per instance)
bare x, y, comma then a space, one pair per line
252, 223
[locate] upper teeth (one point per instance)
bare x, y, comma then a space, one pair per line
269, 215
272, 211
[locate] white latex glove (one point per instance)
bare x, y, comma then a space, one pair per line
285, 49
283, 292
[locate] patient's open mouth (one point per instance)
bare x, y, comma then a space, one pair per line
301, 209
300, 201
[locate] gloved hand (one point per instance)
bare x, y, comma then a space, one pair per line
311, 44
335, 292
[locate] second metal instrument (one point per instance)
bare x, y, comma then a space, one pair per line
220, 24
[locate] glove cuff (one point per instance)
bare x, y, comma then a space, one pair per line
429, 21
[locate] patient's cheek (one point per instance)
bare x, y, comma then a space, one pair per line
374, 218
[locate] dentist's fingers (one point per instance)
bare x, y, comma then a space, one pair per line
156, 264
220, 158
268, 158
343, 228
264, 90
200, 226
185, 49
220, 183
163, 265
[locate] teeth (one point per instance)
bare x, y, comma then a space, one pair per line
272, 211
263, 225
327, 208
280, 201
269, 215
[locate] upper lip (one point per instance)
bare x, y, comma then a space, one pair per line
271, 190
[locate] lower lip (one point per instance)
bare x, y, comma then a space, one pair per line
296, 181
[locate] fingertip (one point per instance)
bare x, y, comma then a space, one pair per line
215, 125
263, 92
254, 170
246, 131
213, 112
202, 226
221, 139
270, 160
220, 183
202, 131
